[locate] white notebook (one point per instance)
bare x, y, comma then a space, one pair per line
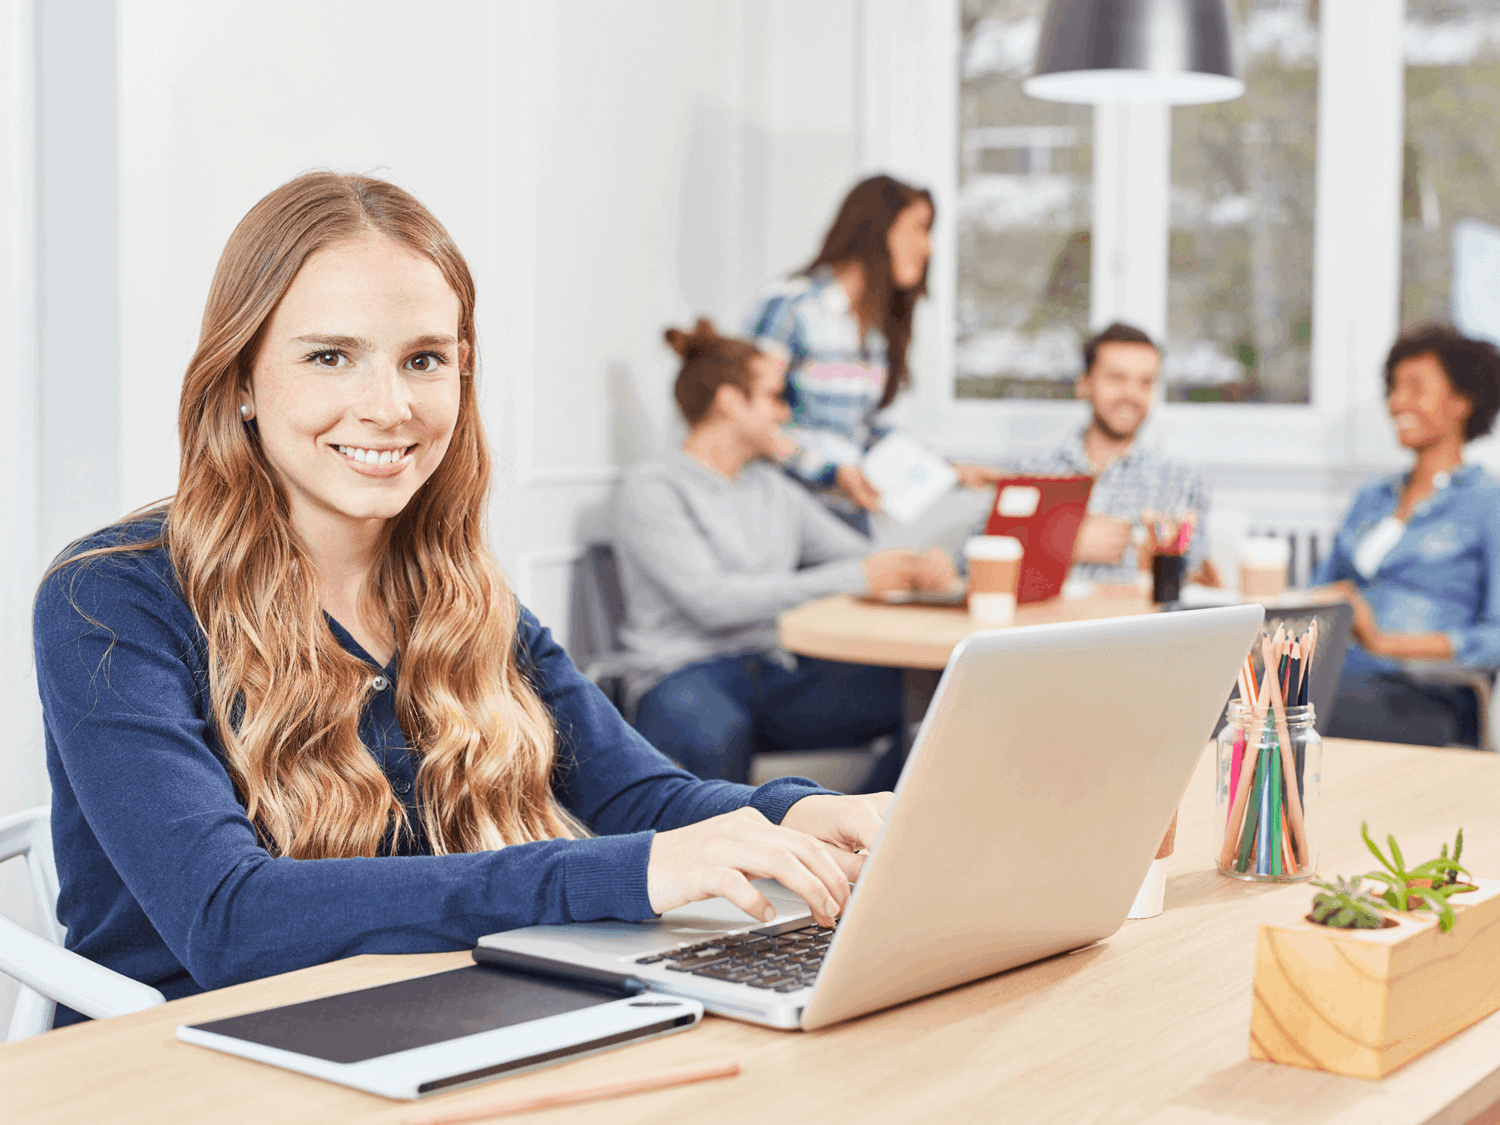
910, 476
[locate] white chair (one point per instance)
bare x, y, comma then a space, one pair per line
48, 973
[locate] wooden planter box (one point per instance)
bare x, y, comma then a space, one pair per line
1363, 1002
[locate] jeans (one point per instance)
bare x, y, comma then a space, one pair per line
711, 717
1386, 706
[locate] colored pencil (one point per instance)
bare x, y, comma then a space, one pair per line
1240, 798
1237, 754
1273, 787
1288, 860
1288, 762
1252, 816
586, 1092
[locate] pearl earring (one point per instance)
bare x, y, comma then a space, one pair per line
245, 411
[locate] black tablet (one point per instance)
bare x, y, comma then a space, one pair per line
431, 1033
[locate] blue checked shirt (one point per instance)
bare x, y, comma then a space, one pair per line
1139, 480
834, 378
1443, 574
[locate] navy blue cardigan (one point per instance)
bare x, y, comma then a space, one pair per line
163, 877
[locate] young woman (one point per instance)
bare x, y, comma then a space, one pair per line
842, 326
1418, 553
296, 714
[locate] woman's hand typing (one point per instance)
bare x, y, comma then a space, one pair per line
815, 853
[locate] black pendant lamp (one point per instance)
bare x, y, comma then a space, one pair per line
1177, 52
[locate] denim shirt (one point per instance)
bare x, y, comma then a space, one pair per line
1443, 574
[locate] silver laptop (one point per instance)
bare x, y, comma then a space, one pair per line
1037, 792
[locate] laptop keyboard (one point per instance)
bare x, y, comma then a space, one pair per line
781, 962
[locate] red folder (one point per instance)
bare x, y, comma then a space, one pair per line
1044, 514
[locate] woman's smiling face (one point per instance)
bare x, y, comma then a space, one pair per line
355, 386
1424, 404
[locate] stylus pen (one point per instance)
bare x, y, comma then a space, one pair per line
572, 1095
535, 966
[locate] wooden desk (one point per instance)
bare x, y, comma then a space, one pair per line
1151, 1024
848, 628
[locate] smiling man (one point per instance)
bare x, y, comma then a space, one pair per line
1121, 366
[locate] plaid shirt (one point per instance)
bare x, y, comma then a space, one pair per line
834, 378
1138, 480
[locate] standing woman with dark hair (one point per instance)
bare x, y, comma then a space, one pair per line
295, 713
1418, 553
843, 327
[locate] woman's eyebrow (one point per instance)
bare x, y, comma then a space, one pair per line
440, 340
350, 343
360, 344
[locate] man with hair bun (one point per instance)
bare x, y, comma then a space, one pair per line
713, 542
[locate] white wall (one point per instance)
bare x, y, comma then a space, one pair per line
22, 776
607, 169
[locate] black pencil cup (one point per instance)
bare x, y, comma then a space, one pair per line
1166, 578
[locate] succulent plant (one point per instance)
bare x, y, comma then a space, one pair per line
1458, 847
1431, 883
1344, 905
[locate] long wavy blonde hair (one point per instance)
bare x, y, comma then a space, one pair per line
286, 697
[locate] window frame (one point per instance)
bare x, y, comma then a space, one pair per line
910, 128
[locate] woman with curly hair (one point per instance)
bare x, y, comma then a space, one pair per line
295, 713
1418, 553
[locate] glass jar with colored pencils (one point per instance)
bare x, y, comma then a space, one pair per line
1268, 797
1270, 764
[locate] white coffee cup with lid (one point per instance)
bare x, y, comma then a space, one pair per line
994, 572
1263, 566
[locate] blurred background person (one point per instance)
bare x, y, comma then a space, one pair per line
713, 542
1418, 553
843, 326
1121, 366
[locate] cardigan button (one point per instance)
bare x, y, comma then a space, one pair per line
402, 786
380, 683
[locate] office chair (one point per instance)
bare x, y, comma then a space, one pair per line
1335, 624
1481, 681
48, 973
599, 612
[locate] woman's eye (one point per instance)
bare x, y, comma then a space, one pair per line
327, 359
426, 361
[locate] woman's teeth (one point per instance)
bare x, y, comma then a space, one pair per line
372, 456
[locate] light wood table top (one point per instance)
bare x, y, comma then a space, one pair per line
1151, 1024
843, 627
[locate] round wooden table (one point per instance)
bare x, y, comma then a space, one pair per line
851, 629
919, 639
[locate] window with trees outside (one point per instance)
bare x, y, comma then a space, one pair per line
1025, 199
1240, 266
1240, 270
1450, 208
